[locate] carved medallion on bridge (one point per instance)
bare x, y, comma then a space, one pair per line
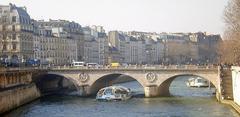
83, 77
151, 77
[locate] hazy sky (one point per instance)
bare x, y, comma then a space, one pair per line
127, 15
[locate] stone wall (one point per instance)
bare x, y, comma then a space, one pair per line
123, 79
15, 97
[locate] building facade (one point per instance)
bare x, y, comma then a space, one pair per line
16, 33
95, 45
68, 30
53, 50
60, 42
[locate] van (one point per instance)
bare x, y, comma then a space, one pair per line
92, 65
78, 64
115, 64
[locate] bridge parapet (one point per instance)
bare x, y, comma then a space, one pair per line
11, 77
159, 67
20, 69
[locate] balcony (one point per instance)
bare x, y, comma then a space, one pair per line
15, 51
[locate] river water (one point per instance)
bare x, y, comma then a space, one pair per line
185, 102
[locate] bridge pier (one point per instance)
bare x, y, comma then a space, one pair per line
84, 90
151, 91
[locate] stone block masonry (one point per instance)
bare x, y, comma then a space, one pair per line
13, 98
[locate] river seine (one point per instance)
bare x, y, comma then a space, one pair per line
185, 102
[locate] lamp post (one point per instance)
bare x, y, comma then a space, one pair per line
99, 50
147, 56
164, 51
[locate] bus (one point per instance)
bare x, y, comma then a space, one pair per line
92, 65
78, 64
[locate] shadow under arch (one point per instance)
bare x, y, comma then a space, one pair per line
54, 84
110, 79
163, 88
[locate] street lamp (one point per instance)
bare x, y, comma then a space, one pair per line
164, 51
147, 56
99, 51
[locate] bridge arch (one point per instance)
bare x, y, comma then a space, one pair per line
110, 79
163, 87
51, 82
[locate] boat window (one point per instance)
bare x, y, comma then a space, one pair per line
108, 91
100, 92
121, 91
199, 80
191, 80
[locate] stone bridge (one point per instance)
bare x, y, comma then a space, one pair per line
22, 85
154, 80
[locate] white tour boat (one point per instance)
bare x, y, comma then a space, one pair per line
114, 93
197, 82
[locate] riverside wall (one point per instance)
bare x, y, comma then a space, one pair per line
236, 84
17, 96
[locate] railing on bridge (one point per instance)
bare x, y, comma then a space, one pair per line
2, 69
139, 67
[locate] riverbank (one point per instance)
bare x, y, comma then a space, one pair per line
17, 96
233, 104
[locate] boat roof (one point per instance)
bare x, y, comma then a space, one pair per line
115, 87
196, 78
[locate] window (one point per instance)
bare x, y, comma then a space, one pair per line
4, 36
14, 37
4, 19
14, 19
13, 27
4, 28
14, 46
9, 37
4, 47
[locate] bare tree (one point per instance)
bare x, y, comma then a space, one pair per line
229, 49
232, 19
